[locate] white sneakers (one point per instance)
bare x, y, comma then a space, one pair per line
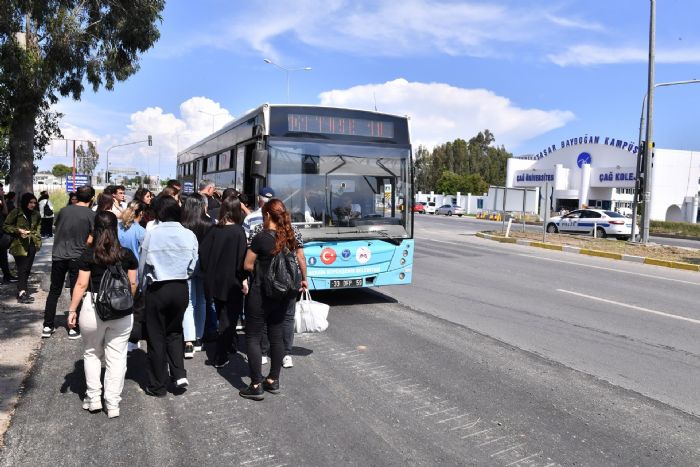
265, 360
287, 361
130, 347
47, 332
182, 383
113, 413
92, 406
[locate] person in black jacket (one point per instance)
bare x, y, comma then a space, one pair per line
221, 259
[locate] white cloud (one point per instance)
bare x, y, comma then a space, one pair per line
587, 55
440, 112
385, 27
170, 133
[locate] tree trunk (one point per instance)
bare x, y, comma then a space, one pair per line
22, 152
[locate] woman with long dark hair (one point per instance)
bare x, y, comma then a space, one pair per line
167, 261
262, 310
145, 197
221, 258
72, 198
105, 202
103, 339
23, 224
194, 218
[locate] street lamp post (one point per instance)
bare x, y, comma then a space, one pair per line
149, 141
286, 71
213, 116
641, 127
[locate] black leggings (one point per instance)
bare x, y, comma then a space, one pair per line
259, 312
165, 307
228, 312
24, 267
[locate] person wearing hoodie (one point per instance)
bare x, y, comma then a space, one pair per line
23, 224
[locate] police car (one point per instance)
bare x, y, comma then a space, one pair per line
606, 223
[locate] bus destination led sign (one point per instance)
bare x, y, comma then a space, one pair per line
328, 125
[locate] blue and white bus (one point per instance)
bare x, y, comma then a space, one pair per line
345, 176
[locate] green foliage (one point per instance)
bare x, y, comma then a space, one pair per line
451, 182
675, 228
87, 160
470, 165
60, 170
63, 46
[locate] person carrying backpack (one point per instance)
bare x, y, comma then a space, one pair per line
47, 215
277, 279
108, 275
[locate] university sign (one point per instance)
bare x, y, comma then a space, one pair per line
622, 177
533, 177
629, 146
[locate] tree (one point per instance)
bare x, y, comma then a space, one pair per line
50, 49
87, 160
60, 171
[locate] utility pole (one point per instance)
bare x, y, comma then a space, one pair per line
650, 125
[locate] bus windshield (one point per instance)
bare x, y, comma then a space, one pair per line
343, 191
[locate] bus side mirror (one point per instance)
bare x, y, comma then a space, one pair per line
259, 168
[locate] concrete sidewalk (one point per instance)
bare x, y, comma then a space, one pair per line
20, 329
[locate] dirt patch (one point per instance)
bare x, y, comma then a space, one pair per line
662, 252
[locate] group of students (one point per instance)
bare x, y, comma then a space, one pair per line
181, 262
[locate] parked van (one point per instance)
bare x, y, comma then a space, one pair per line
430, 207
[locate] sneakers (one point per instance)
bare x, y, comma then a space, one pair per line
182, 383
24, 298
198, 345
130, 347
273, 387
73, 334
251, 392
151, 393
47, 332
113, 413
92, 406
265, 360
189, 350
287, 361
221, 363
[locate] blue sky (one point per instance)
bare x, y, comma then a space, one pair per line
534, 72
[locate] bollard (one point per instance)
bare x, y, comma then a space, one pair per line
510, 222
595, 229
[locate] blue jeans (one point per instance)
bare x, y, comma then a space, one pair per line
195, 314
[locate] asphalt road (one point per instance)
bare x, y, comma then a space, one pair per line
472, 224
488, 359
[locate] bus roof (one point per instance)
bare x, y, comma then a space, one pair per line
265, 107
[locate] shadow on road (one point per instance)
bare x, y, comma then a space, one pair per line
348, 297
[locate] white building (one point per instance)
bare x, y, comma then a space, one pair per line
599, 171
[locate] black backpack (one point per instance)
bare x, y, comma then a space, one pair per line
283, 278
113, 300
48, 212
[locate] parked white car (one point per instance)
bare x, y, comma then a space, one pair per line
430, 207
449, 209
606, 223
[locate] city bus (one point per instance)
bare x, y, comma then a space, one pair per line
346, 177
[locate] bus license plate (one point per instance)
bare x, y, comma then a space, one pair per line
345, 283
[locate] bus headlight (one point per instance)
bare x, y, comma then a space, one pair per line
402, 262
405, 253
402, 276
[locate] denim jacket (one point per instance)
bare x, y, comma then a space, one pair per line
168, 252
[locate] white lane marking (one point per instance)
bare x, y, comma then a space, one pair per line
610, 269
633, 307
444, 241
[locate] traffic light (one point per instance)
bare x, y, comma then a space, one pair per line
150, 140
107, 176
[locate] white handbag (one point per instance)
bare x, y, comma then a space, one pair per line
310, 316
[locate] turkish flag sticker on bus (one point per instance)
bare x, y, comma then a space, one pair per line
328, 256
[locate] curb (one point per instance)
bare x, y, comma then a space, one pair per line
589, 252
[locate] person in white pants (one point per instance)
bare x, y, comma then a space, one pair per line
106, 339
